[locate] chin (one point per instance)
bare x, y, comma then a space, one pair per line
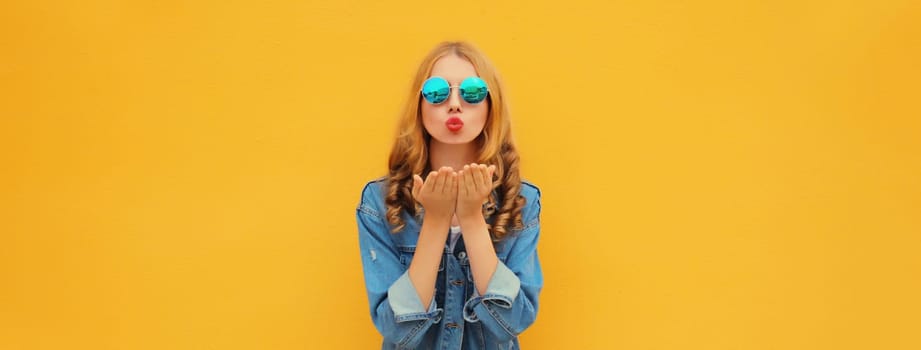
455, 139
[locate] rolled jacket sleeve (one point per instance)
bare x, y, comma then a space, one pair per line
510, 303
405, 302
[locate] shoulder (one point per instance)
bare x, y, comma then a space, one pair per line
372, 198
530, 214
529, 190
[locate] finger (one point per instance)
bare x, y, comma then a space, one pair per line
487, 180
446, 184
461, 190
417, 185
492, 172
451, 183
429, 182
440, 180
468, 180
478, 178
446, 176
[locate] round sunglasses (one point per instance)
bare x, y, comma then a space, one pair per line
436, 90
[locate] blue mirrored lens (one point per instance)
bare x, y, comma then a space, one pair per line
436, 90
473, 90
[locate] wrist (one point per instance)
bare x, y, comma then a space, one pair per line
470, 218
437, 218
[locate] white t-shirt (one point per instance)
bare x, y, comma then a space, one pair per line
455, 234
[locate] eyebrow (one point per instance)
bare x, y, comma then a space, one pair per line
456, 82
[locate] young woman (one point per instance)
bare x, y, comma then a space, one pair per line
450, 260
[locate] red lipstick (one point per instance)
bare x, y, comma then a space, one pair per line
454, 124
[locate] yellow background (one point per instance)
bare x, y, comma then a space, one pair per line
715, 174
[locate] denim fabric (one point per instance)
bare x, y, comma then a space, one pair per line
458, 317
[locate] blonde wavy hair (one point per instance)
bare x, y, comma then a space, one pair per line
410, 152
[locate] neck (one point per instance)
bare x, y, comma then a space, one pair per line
454, 156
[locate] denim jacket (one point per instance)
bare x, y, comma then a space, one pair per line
458, 317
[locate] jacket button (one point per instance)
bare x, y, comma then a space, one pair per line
457, 282
461, 255
451, 325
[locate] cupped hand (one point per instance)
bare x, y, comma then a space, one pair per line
438, 193
474, 184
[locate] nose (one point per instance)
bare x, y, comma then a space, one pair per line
454, 100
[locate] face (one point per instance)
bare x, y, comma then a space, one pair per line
454, 121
